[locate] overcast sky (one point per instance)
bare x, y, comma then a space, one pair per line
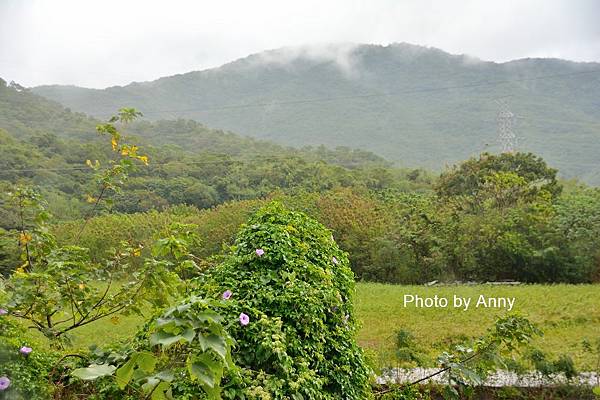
113, 42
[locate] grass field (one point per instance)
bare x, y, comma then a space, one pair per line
566, 313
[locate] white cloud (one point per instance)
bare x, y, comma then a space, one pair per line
106, 42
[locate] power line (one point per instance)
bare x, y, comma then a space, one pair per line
528, 119
206, 162
371, 95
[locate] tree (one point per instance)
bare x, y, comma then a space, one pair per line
57, 288
470, 177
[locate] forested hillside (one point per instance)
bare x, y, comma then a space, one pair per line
416, 106
492, 217
43, 144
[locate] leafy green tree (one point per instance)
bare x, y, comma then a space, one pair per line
470, 177
59, 288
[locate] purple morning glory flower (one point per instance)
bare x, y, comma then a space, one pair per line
335, 261
4, 383
259, 252
3, 311
244, 319
25, 350
346, 318
227, 294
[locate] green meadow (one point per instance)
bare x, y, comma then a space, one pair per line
567, 314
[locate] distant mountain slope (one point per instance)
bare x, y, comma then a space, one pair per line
23, 114
416, 106
26, 117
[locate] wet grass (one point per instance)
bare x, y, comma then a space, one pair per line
567, 314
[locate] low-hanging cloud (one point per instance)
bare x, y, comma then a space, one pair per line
340, 55
110, 42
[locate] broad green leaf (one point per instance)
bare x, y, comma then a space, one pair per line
94, 371
166, 376
164, 338
125, 372
208, 372
146, 361
215, 367
208, 316
215, 343
189, 334
161, 392
201, 372
150, 384
143, 360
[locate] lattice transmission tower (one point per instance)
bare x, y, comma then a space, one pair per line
505, 121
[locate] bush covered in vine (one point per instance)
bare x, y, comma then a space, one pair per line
288, 276
25, 363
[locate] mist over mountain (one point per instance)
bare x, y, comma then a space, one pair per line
416, 106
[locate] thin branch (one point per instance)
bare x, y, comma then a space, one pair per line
22, 218
112, 311
60, 360
445, 369
467, 359
92, 212
152, 391
99, 302
31, 319
73, 302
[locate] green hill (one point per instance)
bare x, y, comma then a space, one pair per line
44, 144
27, 117
413, 105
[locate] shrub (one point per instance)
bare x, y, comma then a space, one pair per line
289, 276
28, 373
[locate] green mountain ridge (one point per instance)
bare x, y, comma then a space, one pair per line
26, 116
415, 106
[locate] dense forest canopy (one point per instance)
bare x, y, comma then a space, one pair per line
491, 217
46, 145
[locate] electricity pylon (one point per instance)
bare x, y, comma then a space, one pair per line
505, 121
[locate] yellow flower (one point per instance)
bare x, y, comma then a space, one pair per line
24, 238
114, 142
21, 270
144, 159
